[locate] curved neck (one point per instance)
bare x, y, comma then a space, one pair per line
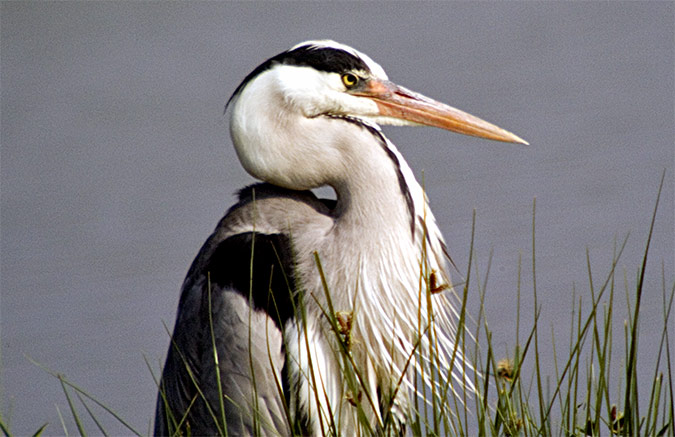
378, 190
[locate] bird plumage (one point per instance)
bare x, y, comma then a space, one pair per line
259, 304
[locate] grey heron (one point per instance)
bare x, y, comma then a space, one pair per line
256, 347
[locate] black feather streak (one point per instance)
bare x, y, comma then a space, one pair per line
328, 59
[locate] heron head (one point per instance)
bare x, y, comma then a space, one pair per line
318, 80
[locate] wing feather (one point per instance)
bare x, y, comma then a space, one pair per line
235, 304
235, 300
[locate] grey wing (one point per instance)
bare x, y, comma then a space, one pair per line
234, 303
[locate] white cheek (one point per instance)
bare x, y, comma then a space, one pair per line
275, 143
311, 93
278, 132
357, 106
307, 90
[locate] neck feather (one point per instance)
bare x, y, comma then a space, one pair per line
378, 190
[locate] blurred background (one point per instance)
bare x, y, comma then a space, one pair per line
117, 163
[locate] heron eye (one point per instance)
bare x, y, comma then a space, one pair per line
350, 80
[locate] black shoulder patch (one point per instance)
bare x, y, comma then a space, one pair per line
329, 59
259, 267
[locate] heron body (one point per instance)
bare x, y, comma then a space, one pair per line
259, 345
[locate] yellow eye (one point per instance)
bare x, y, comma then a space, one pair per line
350, 80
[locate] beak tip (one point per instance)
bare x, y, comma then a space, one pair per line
523, 142
513, 138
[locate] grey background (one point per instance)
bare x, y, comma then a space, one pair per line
117, 163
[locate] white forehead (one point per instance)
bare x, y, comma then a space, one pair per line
374, 67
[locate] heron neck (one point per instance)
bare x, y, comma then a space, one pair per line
379, 192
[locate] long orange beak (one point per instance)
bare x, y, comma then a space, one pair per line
398, 102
